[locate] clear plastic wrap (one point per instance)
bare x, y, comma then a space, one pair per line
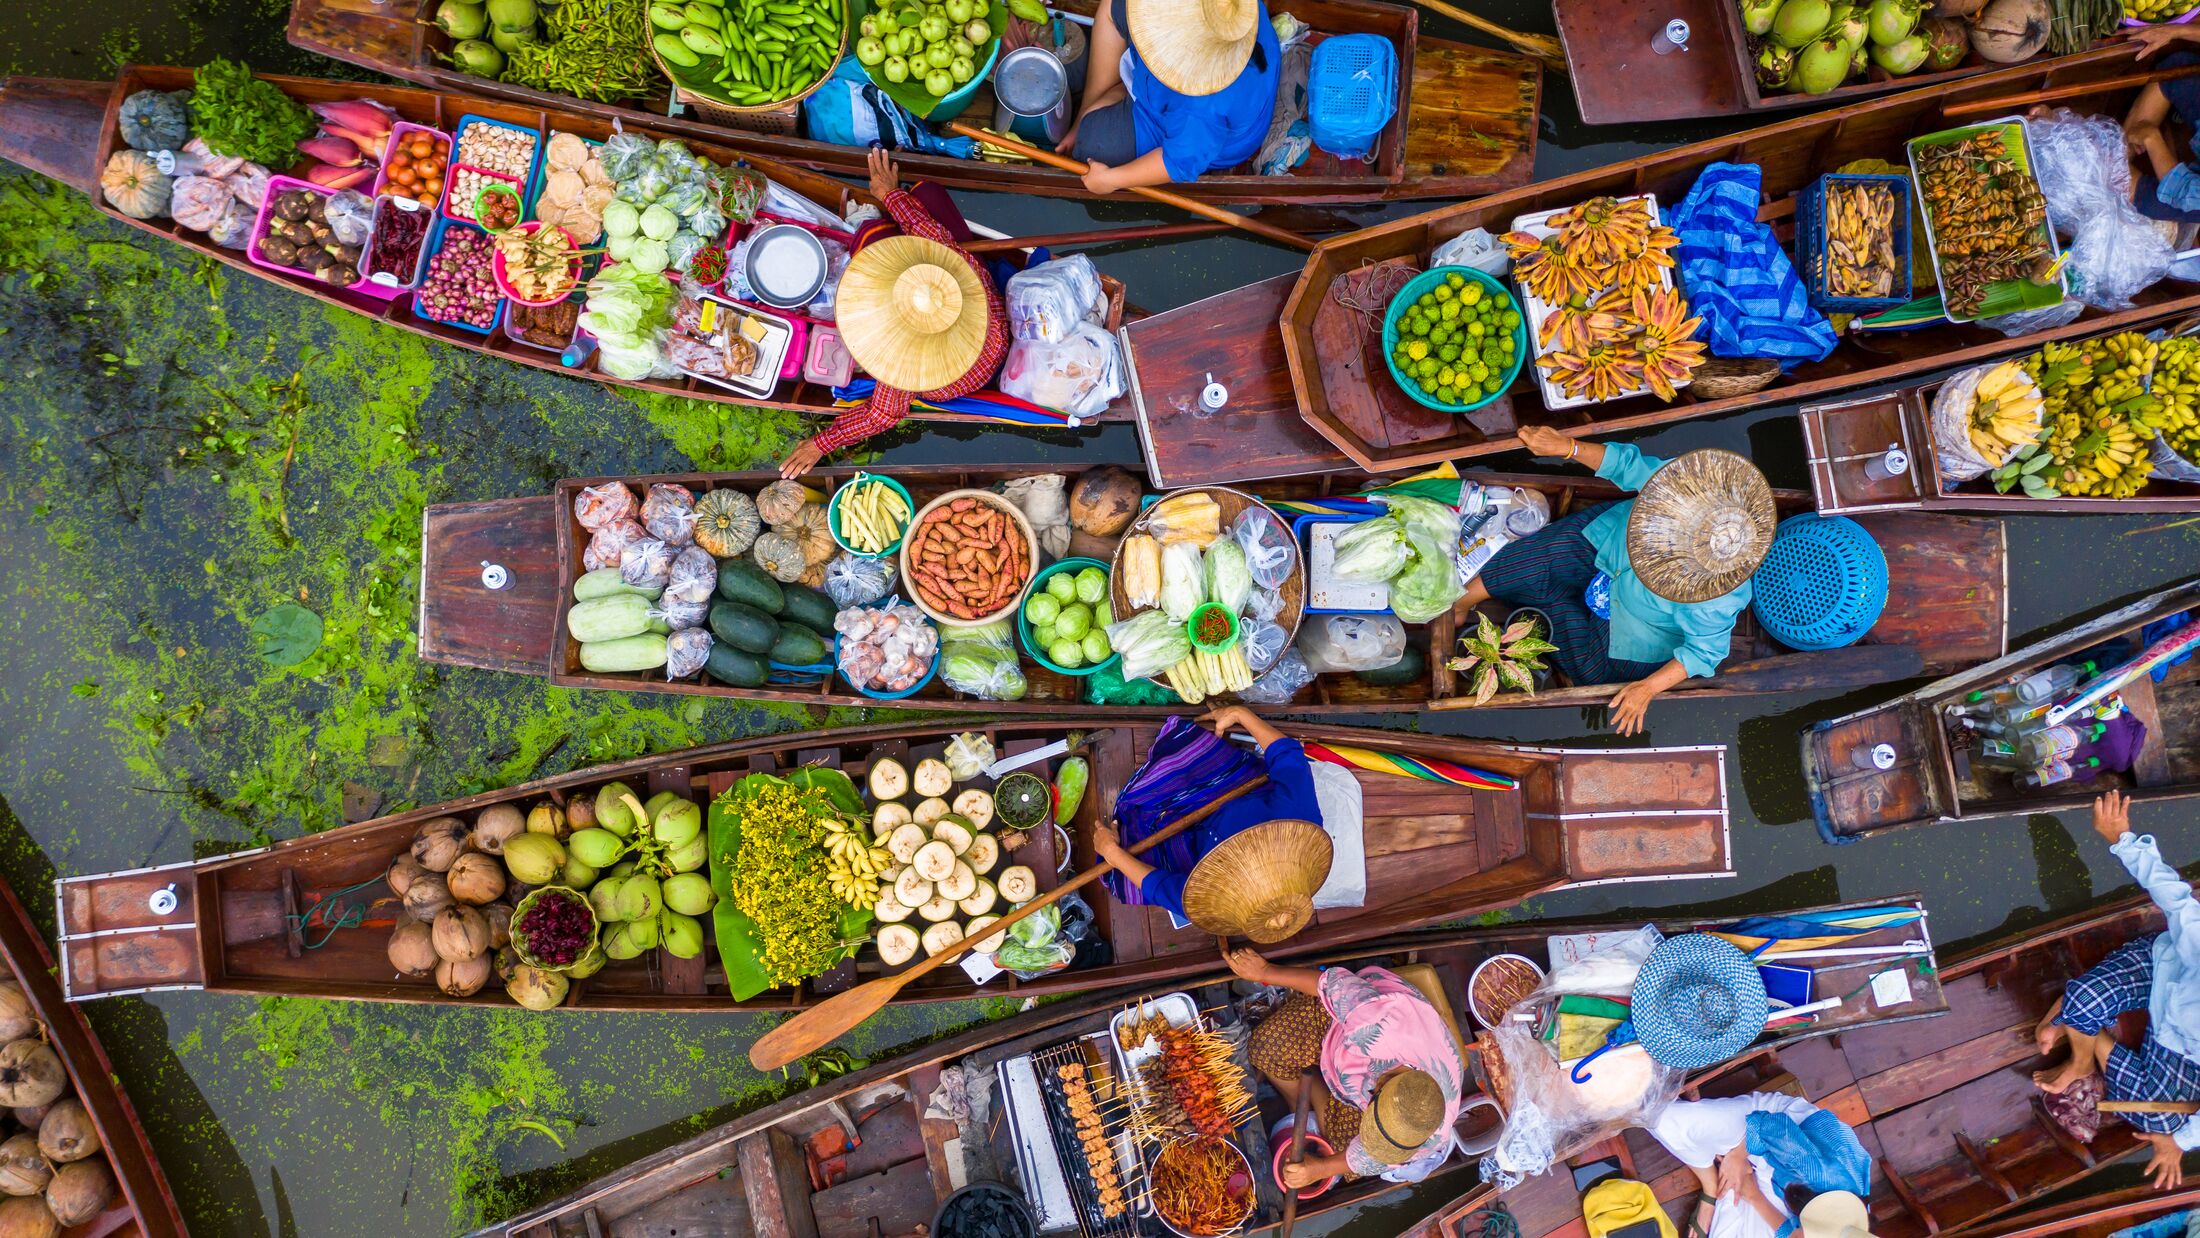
1149, 642
679, 616
886, 648
1282, 682
1262, 643
1951, 427
1079, 375
608, 544
680, 251
234, 229
2085, 172
1267, 546
685, 198
1351, 642
350, 216
624, 155
248, 185
694, 576
685, 652
1263, 605
967, 755
669, 514
1473, 248
646, 564
1044, 501
598, 506
1183, 580
856, 580
1227, 579
199, 202
1046, 302
982, 662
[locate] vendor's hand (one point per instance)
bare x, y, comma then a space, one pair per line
1299, 1177
2137, 136
1735, 1171
1547, 442
801, 460
1247, 963
1630, 707
2151, 41
885, 177
2112, 815
1069, 139
1227, 718
1106, 844
1098, 177
2167, 1165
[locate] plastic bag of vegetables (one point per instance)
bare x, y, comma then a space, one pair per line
981, 662
1149, 642
857, 580
629, 312
1267, 545
967, 755
1430, 581
1035, 945
1229, 581
1183, 580
624, 155
1372, 550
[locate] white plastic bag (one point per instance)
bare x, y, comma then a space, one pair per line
1351, 642
1046, 302
1262, 644
1267, 546
1078, 376
1473, 248
1951, 421
2083, 169
1281, 683
1337, 792
1044, 501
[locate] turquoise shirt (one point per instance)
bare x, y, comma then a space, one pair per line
1646, 627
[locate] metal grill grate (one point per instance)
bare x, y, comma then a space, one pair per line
1092, 1221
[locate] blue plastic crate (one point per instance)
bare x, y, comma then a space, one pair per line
1822, 584
434, 245
1351, 93
1301, 528
1810, 244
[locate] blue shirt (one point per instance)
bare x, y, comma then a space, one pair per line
2173, 1001
1287, 795
1198, 134
1646, 627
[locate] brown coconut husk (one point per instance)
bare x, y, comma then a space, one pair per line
67, 1134
1260, 883
81, 1191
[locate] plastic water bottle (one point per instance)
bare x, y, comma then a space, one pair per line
2058, 770
2048, 683
2033, 749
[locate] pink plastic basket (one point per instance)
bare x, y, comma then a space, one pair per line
504, 285
276, 186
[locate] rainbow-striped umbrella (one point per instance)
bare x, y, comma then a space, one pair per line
1428, 769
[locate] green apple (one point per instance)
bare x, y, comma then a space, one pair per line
896, 69
868, 27
961, 69
939, 57
934, 29
960, 46
883, 23
977, 32
937, 83
870, 51
958, 11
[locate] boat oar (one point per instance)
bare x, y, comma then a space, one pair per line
1176, 200
821, 1024
1543, 47
2017, 103
1307, 1079
1092, 236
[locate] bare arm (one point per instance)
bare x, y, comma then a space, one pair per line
1631, 704
1553, 444
1238, 717
1151, 168
1251, 965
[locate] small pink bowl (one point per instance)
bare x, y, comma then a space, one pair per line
1315, 1146
496, 269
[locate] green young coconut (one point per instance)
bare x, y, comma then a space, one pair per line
1799, 22
1822, 66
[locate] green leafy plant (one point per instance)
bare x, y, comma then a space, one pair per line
245, 118
1501, 659
287, 634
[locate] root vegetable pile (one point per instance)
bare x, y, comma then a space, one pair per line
968, 558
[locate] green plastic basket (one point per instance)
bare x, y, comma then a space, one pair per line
1023, 626
1412, 292
832, 515
1191, 628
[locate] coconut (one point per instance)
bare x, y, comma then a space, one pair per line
67, 1133
1800, 22
427, 897
412, 948
2012, 30
439, 844
507, 962
536, 859
462, 977
495, 826
1902, 57
16, 1017
461, 933
1949, 40
24, 1170
1821, 67
28, 1218
536, 989
547, 818
30, 1116
580, 813
592, 962
403, 872
1757, 16
30, 1074
80, 1191
1104, 501
476, 879
1891, 21
499, 916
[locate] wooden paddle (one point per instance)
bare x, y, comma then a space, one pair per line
1092, 236
2017, 103
821, 1024
2149, 1106
1176, 200
1543, 47
1307, 1079
1854, 666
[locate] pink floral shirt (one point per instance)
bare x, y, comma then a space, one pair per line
1379, 1023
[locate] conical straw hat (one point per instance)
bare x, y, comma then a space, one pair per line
1196, 47
1700, 526
1259, 883
911, 312
1407, 1109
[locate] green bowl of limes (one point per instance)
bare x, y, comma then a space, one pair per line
1454, 339
1062, 623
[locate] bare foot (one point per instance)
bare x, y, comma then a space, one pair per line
2056, 1080
2050, 1033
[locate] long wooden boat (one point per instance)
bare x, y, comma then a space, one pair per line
1933, 779
1434, 852
66, 130
1960, 1142
1319, 396
1947, 609
144, 1207
1618, 79
1466, 120
2094, 1216
746, 1178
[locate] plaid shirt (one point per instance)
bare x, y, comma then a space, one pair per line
888, 405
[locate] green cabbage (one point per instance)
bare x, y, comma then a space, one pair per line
1371, 551
1430, 582
1229, 581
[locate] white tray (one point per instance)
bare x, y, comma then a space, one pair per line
1553, 398
771, 351
2032, 167
1178, 1008
1323, 590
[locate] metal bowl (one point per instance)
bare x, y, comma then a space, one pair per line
789, 246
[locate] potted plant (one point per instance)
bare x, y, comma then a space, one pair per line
1501, 658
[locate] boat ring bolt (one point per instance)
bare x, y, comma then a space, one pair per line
493, 575
163, 901
1214, 395
1673, 38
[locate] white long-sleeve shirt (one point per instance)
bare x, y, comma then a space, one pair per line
1698, 1132
2173, 1006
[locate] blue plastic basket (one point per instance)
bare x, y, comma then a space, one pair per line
436, 232
1301, 528
1822, 585
1351, 93
1810, 244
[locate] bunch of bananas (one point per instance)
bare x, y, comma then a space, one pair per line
853, 867
2177, 386
2099, 412
2006, 412
1603, 243
1618, 344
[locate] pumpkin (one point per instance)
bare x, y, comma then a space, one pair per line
726, 523
781, 502
155, 120
781, 556
133, 184
810, 530
814, 575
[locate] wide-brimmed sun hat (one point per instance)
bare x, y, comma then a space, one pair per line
1260, 882
1700, 526
1196, 47
1697, 1001
1835, 1214
1408, 1108
911, 312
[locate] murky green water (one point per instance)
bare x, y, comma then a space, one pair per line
180, 450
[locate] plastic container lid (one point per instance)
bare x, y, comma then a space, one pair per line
786, 266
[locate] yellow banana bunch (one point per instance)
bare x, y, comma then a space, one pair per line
2007, 411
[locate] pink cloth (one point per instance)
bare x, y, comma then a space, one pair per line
1380, 1023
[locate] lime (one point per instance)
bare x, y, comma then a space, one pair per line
1096, 646
1074, 621
1451, 311
1477, 330
1450, 352
1443, 292
1455, 279
1041, 609
1417, 349
1473, 294
1511, 319
1470, 394
1427, 384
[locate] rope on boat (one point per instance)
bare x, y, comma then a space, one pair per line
1495, 1221
1367, 291
352, 915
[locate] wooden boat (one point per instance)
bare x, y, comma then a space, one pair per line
1466, 120
748, 1177
144, 1207
1959, 1140
66, 130
1619, 80
1933, 779
1319, 396
2094, 1216
1435, 852
1948, 608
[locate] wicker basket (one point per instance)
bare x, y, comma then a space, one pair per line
777, 118
1722, 378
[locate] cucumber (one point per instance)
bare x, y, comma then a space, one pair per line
743, 627
806, 606
1408, 668
798, 646
608, 618
627, 653
742, 581
734, 667
675, 52
605, 582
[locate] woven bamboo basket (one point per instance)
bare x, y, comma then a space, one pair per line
1722, 378
773, 118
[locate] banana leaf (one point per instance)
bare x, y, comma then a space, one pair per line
740, 945
834, 784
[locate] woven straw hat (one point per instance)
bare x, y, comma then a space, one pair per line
1259, 883
1196, 47
911, 312
1835, 1214
1408, 1108
1697, 1001
1700, 526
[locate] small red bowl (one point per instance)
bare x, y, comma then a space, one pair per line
1315, 1146
504, 285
